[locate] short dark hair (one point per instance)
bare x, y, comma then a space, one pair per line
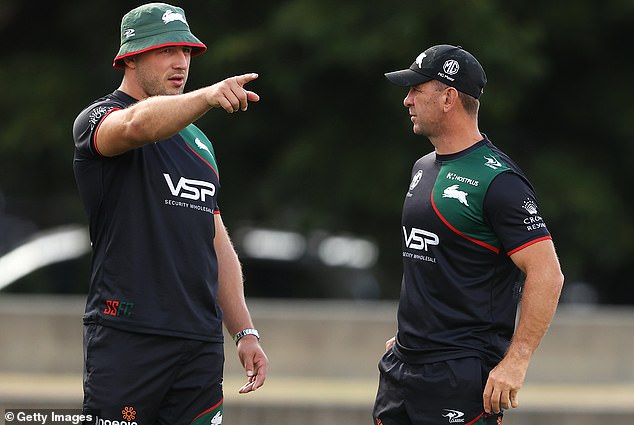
470, 104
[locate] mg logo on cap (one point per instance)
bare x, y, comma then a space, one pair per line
451, 67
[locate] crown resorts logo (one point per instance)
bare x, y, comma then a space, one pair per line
530, 206
534, 221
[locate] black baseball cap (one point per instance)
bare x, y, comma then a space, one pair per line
448, 64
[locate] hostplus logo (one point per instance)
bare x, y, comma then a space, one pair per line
453, 176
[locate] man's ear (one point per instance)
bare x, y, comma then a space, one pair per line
130, 61
451, 98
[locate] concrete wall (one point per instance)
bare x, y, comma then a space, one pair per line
324, 338
323, 362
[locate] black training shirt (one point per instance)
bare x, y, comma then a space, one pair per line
151, 216
463, 216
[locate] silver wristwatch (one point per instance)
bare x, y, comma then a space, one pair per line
244, 332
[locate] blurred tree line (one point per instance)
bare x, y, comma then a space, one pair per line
330, 146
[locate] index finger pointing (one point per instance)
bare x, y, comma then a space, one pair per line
245, 78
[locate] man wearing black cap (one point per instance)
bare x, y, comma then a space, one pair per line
474, 243
164, 274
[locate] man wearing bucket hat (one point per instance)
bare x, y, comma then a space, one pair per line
164, 274
474, 241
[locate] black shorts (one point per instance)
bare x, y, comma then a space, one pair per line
448, 392
150, 379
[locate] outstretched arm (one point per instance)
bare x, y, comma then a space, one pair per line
540, 297
159, 117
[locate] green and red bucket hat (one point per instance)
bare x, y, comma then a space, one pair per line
152, 26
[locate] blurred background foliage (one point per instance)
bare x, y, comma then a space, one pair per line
330, 144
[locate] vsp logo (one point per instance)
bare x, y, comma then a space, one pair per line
190, 189
419, 239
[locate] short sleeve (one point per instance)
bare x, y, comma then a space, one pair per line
512, 211
86, 125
